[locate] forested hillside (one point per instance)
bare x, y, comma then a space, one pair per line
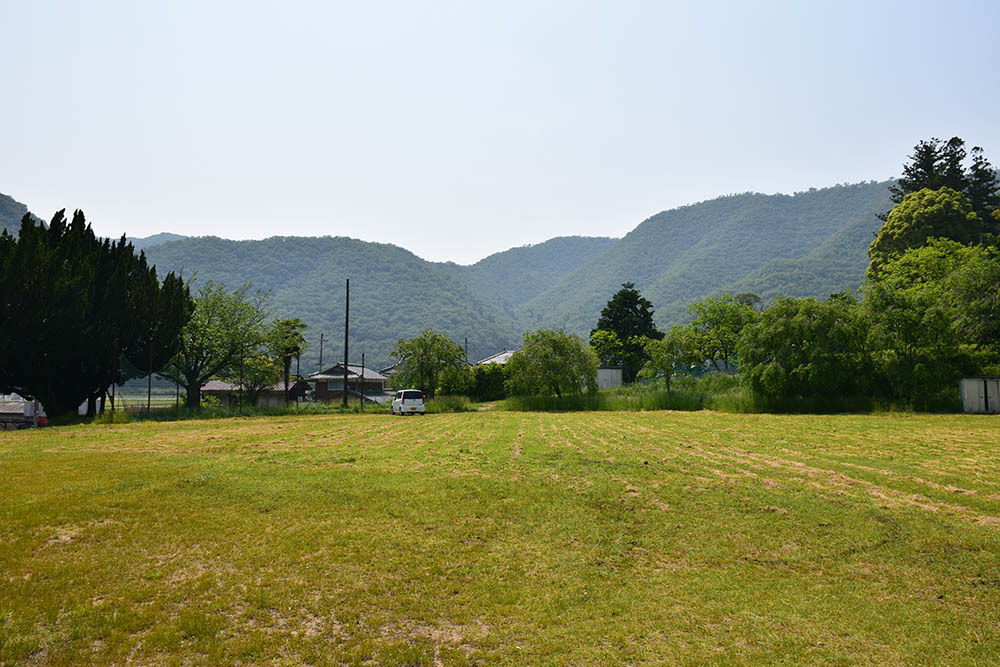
510, 278
11, 213
809, 244
394, 293
156, 239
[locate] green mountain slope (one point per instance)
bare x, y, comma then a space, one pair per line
394, 293
808, 244
510, 278
11, 212
156, 239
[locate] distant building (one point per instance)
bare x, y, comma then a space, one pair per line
329, 383
228, 393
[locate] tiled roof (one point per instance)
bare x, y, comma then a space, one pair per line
353, 373
219, 385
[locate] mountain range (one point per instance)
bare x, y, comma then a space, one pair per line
812, 243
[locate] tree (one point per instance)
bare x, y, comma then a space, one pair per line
72, 305
715, 329
630, 317
937, 164
932, 317
748, 299
804, 349
424, 358
925, 214
488, 382
552, 362
288, 344
664, 357
227, 328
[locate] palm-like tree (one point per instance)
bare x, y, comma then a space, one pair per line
290, 344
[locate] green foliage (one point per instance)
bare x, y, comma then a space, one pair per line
488, 382
73, 304
456, 380
109, 417
288, 344
804, 349
812, 243
713, 334
932, 316
925, 214
225, 332
937, 164
663, 358
629, 317
448, 403
425, 359
513, 277
552, 362
394, 293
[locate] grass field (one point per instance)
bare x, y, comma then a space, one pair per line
504, 538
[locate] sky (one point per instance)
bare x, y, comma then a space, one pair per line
460, 129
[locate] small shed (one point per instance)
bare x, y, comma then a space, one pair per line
980, 394
609, 377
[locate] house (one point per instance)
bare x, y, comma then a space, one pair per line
228, 393
329, 383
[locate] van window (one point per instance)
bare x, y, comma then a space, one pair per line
413, 395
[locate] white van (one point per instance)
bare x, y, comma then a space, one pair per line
408, 401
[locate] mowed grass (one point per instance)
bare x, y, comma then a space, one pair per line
504, 538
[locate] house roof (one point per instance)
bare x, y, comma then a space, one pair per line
498, 358
336, 372
219, 385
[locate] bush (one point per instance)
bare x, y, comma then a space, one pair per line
109, 417
440, 404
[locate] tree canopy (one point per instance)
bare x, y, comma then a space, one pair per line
551, 362
73, 304
943, 213
226, 329
937, 164
624, 328
423, 359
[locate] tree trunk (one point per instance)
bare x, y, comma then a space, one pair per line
193, 400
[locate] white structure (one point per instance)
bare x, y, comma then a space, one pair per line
498, 358
980, 394
609, 377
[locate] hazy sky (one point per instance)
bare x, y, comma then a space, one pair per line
457, 129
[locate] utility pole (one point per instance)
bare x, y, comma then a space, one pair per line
362, 381
466, 348
347, 319
321, 352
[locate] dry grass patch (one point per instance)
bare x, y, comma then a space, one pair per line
503, 538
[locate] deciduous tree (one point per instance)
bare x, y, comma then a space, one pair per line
922, 215
423, 359
225, 329
552, 362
